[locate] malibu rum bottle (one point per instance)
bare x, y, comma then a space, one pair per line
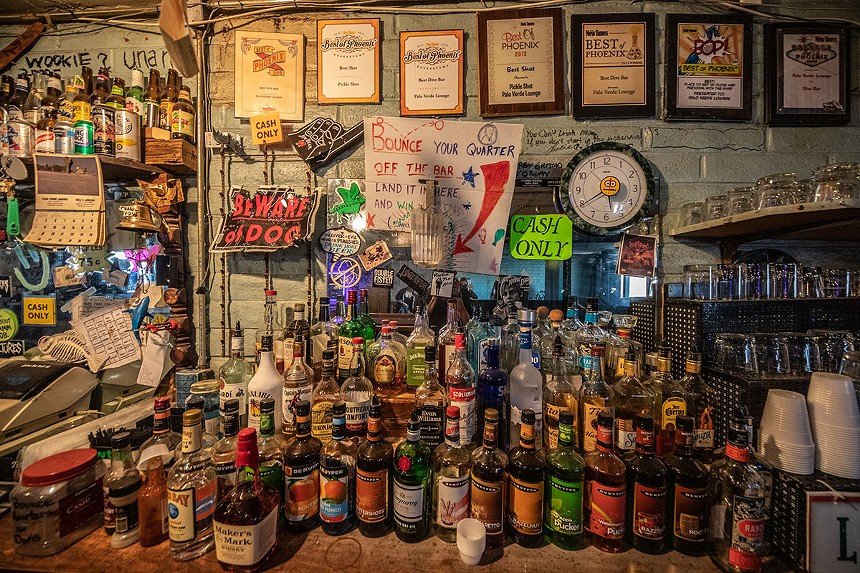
487, 494
302, 474
526, 470
412, 485
687, 494
451, 479
646, 491
605, 491
337, 477
565, 472
373, 473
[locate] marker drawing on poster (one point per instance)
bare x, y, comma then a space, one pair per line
474, 165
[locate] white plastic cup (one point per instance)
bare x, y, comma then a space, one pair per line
471, 540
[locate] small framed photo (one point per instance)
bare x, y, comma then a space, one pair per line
807, 78
348, 61
612, 65
431, 73
520, 61
708, 67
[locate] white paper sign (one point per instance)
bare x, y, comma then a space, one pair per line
832, 532
474, 164
154, 354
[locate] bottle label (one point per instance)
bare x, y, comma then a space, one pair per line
584, 358
415, 366
607, 508
672, 408
589, 425
384, 369
166, 112
321, 421
229, 391
272, 474
45, 140
525, 506
703, 439
464, 398
537, 431
483, 344
301, 491
488, 500
294, 395
246, 545
345, 352
126, 517
135, 105
431, 425
182, 122
408, 505
691, 513
371, 496
334, 493
565, 506
319, 342
356, 419
453, 501
625, 435
287, 352
190, 511
748, 526
550, 420
226, 476
649, 511
536, 358
255, 398
446, 357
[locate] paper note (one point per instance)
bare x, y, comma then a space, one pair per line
109, 332
154, 353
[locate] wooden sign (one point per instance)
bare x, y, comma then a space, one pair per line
266, 128
541, 237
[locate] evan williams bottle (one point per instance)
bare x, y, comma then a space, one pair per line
646, 491
605, 491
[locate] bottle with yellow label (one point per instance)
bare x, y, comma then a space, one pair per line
526, 473
386, 363
326, 393
595, 397
671, 399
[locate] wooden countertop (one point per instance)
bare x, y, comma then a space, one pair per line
317, 552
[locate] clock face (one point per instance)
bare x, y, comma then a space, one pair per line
605, 188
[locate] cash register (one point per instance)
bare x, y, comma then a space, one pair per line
35, 395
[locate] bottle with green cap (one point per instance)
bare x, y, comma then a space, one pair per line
564, 488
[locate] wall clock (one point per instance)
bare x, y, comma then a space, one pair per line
607, 188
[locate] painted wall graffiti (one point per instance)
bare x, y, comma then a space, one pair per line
67, 63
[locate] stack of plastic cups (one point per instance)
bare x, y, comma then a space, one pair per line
785, 438
835, 419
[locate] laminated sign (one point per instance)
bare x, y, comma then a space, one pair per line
269, 219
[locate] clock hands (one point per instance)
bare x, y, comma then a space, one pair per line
592, 199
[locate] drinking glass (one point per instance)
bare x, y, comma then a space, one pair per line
777, 190
715, 207
772, 353
697, 282
781, 280
804, 352
692, 213
836, 282
750, 282
834, 344
739, 200
724, 282
837, 182
735, 352
810, 283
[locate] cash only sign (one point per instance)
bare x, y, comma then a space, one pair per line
541, 237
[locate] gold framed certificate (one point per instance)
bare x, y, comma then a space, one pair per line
270, 74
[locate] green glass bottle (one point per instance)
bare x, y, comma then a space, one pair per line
413, 481
565, 470
366, 320
351, 328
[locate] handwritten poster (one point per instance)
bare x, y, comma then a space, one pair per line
431, 72
474, 165
348, 56
270, 74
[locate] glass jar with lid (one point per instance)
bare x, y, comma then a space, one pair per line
837, 182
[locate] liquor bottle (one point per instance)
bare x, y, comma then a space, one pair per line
116, 98
337, 477
168, 98
44, 133
66, 109
460, 384
396, 336
421, 337
302, 475
526, 384
299, 325
357, 392
323, 336
15, 107
605, 491
151, 111
699, 407
525, 483
412, 484
492, 392
646, 491
546, 345
271, 449
51, 101
134, 97
373, 472
298, 385
183, 124
565, 471
430, 402
272, 328
33, 101
164, 442
558, 395
210, 427
631, 398
451, 462
366, 320
123, 483
765, 470
671, 398
191, 494
350, 329
541, 325
266, 383
246, 521
224, 450
101, 87
152, 504
445, 342
476, 339
686, 494
510, 335
487, 493
617, 346
595, 396
339, 311
589, 335
7, 86
736, 495
326, 393
386, 359
235, 375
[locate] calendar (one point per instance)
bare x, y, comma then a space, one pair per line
109, 332
70, 202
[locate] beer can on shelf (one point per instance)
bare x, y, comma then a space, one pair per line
127, 134
64, 137
20, 135
45, 141
84, 144
151, 114
104, 130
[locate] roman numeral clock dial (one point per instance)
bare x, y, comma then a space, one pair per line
607, 188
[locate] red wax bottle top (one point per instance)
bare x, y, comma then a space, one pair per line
460, 341
59, 467
357, 340
247, 454
453, 411
271, 292
351, 297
